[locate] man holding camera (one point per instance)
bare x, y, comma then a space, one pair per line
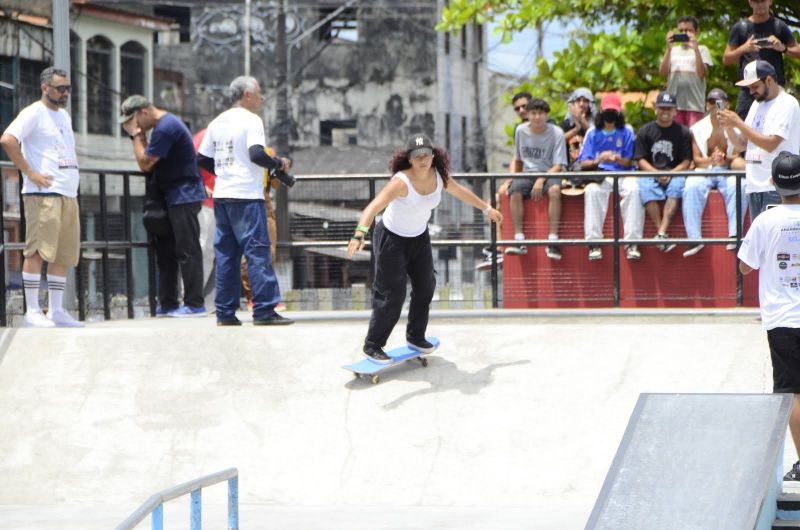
233, 149
759, 36
685, 63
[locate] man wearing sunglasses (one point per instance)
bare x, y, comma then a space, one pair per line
40, 143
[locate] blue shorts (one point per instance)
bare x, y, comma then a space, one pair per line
525, 186
651, 190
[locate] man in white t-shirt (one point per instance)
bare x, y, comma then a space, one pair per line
772, 246
772, 125
40, 143
233, 149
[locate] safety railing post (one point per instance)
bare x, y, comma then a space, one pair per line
493, 245
233, 504
196, 510
157, 518
739, 222
616, 247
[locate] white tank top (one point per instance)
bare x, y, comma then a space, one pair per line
408, 216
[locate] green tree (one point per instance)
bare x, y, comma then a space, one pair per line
625, 59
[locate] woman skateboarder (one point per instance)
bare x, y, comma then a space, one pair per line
401, 244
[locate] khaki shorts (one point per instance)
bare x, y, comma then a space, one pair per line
53, 228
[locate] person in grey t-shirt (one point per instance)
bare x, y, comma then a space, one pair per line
539, 147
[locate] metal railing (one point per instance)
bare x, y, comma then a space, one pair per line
615, 241
154, 506
103, 243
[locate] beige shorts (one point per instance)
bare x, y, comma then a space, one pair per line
53, 228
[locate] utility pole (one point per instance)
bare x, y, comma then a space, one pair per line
282, 123
247, 37
60, 19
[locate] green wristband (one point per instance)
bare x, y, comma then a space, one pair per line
362, 228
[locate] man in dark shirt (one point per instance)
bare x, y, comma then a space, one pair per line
170, 156
664, 146
759, 36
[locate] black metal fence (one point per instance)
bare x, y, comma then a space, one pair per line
115, 276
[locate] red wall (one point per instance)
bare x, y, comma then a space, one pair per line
707, 279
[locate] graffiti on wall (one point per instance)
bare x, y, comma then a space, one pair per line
224, 26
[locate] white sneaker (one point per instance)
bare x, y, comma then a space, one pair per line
36, 319
62, 319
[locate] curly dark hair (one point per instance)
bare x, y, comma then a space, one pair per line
441, 163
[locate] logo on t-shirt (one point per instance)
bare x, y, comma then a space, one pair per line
783, 256
662, 154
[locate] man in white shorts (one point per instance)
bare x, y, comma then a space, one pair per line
40, 143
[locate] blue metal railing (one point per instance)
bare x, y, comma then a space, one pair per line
154, 506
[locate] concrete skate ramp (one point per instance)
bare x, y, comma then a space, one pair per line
513, 425
696, 461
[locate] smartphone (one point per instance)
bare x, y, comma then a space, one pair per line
680, 37
764, 43
720, 104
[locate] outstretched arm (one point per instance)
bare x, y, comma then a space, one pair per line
466, 195
396, 188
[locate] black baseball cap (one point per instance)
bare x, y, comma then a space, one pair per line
786, 173
666, 99
419, 144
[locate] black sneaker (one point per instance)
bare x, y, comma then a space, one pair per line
274, 320
666, 247
421, 345
376, 354
794, 474
229, 321
553, 252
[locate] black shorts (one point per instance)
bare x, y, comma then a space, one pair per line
784, 348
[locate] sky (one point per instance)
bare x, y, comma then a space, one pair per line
517, 57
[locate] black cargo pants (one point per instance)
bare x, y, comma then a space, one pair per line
397, 258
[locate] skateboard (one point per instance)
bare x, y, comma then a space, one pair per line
369, 368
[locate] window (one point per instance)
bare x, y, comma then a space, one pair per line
183, 18
98, 85
132, 59
338, 132
344, 26
29, 87
479, 39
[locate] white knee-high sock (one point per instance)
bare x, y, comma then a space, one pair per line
30, 283
55, 291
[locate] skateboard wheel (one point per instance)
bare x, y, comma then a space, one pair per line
424, 362
375, 379
356, 376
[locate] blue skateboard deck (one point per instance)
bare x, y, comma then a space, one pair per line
369, 368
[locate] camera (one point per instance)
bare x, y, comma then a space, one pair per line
680, 37
283, 177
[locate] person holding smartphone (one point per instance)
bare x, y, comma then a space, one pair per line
712, 150
759, 36
685, 63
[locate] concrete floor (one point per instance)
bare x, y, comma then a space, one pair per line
513, 424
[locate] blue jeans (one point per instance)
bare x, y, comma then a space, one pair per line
695, 197
242, 229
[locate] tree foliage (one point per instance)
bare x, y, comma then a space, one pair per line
626, 59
